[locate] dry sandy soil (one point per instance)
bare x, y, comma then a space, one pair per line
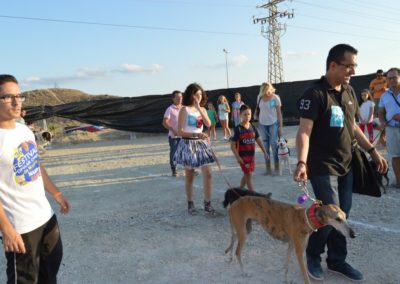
129, 222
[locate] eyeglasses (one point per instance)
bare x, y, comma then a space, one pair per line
10, 98
348, 66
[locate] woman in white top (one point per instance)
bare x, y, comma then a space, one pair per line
270, 122
367, 113
194, 151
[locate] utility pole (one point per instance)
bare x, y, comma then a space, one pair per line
226, 67
273, 32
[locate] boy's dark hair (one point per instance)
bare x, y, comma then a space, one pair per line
174, 93
6, 78
379, 71
190, 91
244, 107
336, 54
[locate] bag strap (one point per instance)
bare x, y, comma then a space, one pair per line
395, 99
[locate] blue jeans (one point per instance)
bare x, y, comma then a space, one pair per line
173, 143
269, 134
331, 190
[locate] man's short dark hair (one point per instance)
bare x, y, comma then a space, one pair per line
379, 71
174, 93
394, 69
6, 78
336, 54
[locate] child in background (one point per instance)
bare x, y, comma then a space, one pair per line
223, 115
367, 113
212, 115
236, 109
243, 146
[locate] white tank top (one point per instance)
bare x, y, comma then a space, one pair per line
194, 122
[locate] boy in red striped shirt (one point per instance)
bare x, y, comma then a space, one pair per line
243, 146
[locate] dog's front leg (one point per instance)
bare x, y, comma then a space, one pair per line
299, 249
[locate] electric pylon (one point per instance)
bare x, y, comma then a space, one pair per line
273, 33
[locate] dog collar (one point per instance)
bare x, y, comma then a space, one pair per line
311, 219
282, 154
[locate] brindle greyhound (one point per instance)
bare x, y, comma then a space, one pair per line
286, 222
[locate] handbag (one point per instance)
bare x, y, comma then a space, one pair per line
257, 111
364, 179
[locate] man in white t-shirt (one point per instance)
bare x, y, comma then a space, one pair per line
28, 225
170, 122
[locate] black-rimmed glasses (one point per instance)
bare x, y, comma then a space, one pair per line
10, 98
348, 66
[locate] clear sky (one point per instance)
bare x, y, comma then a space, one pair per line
145, 47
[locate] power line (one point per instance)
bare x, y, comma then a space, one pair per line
348, 23
350, 12
124, 25
342, 33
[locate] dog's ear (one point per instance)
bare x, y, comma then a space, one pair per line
285, 140
320, 214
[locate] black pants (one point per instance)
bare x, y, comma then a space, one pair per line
42, 259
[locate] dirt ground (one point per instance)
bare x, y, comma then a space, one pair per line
129, 222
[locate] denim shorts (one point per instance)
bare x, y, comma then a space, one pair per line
393, 141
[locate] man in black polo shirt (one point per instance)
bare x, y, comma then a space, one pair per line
324, 145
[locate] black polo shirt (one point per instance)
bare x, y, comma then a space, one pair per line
330, 141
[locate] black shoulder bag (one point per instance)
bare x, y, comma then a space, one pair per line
364, 180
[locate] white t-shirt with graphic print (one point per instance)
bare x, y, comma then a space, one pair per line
22, 191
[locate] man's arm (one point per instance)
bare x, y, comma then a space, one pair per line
12, 241
382, 116
51, 188
362, 140
302, 145
167, 125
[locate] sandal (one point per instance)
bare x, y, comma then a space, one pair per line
191, 209
208, 208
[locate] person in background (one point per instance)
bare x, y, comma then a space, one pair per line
212, 115
223, 115
28, 225
170, 122
378, 86
270, 123
243, 145
21, 119
194, 150
327, 129
366, 115
236, 109
389, 116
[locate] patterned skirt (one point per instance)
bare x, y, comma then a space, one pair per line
193, 153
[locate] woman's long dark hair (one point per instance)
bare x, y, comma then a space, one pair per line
190, 91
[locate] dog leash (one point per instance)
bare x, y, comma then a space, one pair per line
221, 172
306, 194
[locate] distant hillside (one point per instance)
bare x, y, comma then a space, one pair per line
58, 96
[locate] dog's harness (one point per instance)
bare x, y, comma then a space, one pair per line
311, 219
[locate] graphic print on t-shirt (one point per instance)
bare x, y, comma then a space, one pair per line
26, 163
337, 117
195, 121
272, 103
